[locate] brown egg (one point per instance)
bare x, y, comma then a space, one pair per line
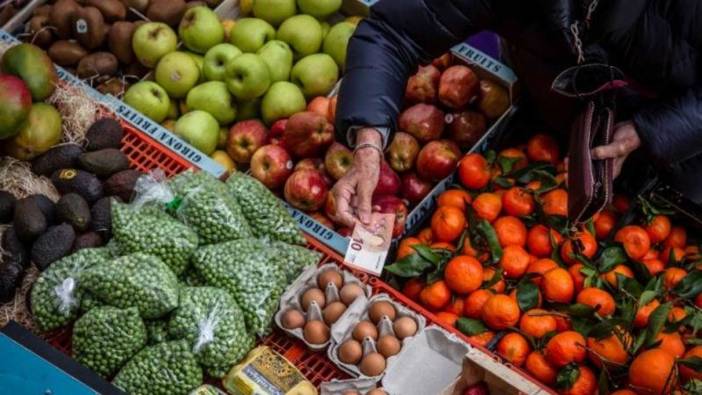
293, 319
333, 311
350, 292
329, 276
405, 327
365, 329
377, 391
313, 294
372, 364
316, 332
378, 310
388, 345
350, 352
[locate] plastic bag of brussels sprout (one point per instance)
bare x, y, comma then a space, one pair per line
265, 213
249, 270
168, 368
212, 322
294, 259
56, 297
156, 331
206, 207
107, 337
137, 280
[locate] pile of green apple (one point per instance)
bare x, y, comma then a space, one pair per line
227, 71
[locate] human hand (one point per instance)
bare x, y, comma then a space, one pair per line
625, 141
353, 193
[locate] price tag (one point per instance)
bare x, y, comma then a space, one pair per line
369, 246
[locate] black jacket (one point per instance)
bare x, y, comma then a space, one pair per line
657, 43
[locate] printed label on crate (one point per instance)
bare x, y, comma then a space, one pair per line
484, 61
320, 232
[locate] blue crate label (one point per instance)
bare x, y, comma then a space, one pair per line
320, 232
486, 62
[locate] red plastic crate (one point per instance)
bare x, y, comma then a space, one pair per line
146, 154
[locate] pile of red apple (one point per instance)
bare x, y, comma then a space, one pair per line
448, 108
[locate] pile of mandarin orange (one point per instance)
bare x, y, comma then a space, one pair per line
601, 308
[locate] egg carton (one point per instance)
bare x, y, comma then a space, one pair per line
338, 387
343, 331
307, 280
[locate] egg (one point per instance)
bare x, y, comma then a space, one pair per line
350, 292
388, 345
365, 329
316, 332
333, 311
376, 391
293, 319
379, 309
313, 294
350, 352
330, 276
405, 327
372, 364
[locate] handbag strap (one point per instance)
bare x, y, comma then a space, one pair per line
577, 28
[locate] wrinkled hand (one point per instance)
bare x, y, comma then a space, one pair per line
353, 193
625, 141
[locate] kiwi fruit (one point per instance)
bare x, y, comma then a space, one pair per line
41, 36
169, 12
62, 17
43, 10
139, 5
97, 64
136, 70
114, 86
112, 10
119, 39
89, 27
66, 53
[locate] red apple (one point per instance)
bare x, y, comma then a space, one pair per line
310, 164
443, 61
414, 189
466, 128
330, 207
388, 181
277, 129
423, 86
458, 86
338, 160
306, 189
395, 205
437, 160
322, 219
494, 99
307, 134
402, 152
332, 108
320, 105
477, 389
245, 138
345, 231
272, 165
423, 121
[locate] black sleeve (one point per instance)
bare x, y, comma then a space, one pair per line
671, 130
387, 47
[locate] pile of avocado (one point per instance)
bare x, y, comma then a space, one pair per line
87, 177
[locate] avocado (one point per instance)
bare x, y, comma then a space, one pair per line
47, 207
81, 182
74, 210
34, 66
13, 248
29, 221
10, 279
59, 157
105, 162
101, 217
53, 245
7, 206
122, 184
104, 133
87, 240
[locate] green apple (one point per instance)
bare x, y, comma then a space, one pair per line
173, 112
278, 58
177, 73
249, 34
336, 42
247, 76
315, 74
200, 62
274, 11
214, 98
282, 100
249, 109
319, 8
216, 60
303, 33
199, 129
151, 41
325, 29
150, 99
200, 29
